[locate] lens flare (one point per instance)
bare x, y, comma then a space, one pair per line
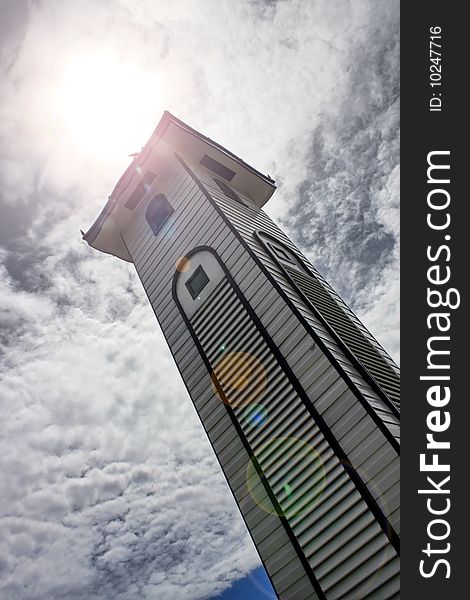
183, 264
298, 477
239, 378
255, 415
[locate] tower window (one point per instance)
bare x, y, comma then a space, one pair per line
217, 168
158, 212
197, 282
140, 190
228, 191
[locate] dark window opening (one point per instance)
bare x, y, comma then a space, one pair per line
142, 188
217, 168
228, 191
158, 212
197, 282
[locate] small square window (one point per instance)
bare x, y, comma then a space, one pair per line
197, 282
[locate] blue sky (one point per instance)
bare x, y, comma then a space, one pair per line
109, 486
256, 586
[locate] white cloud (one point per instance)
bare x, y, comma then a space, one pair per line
102, 445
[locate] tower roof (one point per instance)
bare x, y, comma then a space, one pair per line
169, 137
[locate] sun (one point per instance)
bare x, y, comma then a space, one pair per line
106, 106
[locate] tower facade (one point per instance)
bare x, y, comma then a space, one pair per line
298, 400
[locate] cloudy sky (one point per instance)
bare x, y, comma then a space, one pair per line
108, 486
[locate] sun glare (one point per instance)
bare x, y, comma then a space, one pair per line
106, 107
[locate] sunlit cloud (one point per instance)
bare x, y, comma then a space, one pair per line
105, 104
